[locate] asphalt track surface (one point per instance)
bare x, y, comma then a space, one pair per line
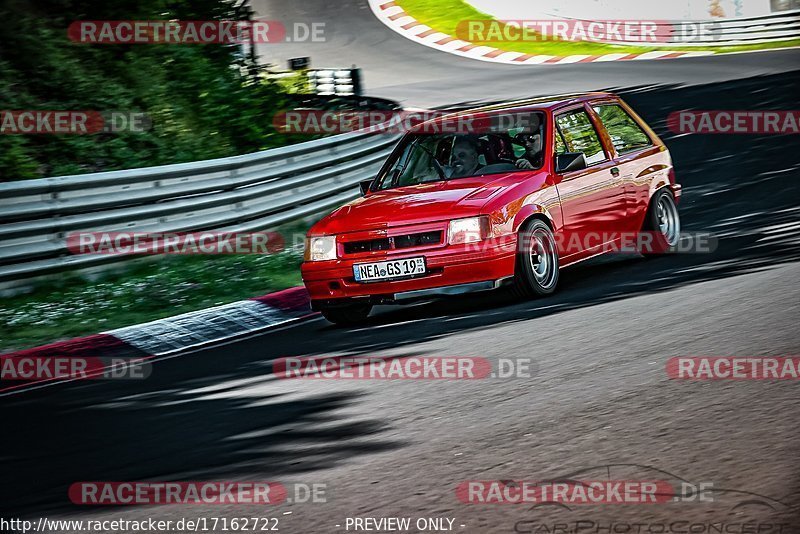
598, 406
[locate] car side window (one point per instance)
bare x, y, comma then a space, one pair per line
626, 135
579, 135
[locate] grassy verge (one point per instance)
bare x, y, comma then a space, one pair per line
168, 286
444, 16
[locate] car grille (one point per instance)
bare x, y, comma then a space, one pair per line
395, 242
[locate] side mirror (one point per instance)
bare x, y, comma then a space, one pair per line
364, 186
570, 161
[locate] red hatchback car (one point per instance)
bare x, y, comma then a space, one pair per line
509, 196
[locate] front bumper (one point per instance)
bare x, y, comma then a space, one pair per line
450, 270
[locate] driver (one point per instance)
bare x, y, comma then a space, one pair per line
464, 158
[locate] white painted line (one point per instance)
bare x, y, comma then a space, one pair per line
610, 57
698, 54
654, 55
480, 50
402, 21
431, 39
453, 46
538, 59
394, 10
573, 59
509, 57
416, 30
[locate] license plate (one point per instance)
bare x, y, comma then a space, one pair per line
387, 270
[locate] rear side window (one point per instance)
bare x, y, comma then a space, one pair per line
625, 133
576, 133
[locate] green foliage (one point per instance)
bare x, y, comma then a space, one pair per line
168, 285
205, 101
72, 305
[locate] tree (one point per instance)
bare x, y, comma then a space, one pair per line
204, 101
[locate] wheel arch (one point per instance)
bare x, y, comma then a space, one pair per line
534, 211
658, 185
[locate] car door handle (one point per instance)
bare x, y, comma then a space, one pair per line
615, 171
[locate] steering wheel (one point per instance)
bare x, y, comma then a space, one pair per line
436, 165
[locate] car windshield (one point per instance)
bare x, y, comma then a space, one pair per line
425, 158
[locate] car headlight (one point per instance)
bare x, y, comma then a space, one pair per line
468, 230
320, 248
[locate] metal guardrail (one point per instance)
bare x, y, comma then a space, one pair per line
241, 193
776, 27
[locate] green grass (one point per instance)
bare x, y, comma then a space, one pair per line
444, 16
166, 286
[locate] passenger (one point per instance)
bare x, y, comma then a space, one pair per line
533, 144
533, 151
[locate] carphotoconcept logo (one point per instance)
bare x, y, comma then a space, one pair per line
641, 484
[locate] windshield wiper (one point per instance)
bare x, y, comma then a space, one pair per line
436, 164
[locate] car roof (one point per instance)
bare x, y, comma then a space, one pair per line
542, 102
532, 104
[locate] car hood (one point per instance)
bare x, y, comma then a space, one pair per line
421, 203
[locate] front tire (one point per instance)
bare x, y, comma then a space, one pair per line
663, 222
536, 272
351, 314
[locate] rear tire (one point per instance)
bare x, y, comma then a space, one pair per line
663, 223
536, 272
350, 314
